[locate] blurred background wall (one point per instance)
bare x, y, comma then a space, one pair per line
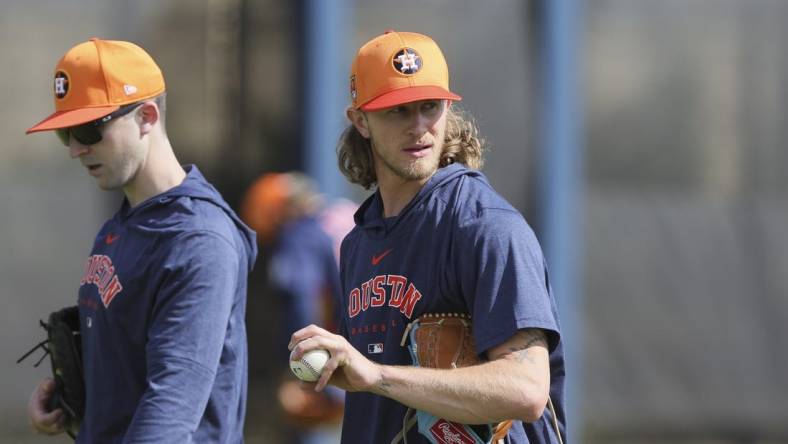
683, 227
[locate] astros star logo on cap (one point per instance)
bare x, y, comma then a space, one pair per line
407, 61
61, 84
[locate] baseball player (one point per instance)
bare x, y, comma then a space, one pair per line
433, 238
303, 276
163, 295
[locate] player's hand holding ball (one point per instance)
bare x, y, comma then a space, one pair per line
310, 366
332, 360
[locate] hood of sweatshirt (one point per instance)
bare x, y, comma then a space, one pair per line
194, 186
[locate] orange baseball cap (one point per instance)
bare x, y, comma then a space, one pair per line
96, 78
396, 68
263, 205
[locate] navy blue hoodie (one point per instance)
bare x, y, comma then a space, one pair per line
162, 310
457, 247
304, 273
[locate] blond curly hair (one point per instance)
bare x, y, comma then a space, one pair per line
461, 144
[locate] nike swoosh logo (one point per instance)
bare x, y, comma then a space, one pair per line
110, 238
376, 259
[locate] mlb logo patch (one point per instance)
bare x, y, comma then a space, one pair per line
375, 349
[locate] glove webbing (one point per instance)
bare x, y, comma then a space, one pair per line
57, 399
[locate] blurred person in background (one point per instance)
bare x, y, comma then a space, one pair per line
434, 238
162, 302
299, 236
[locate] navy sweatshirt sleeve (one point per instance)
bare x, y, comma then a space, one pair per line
185, 337
504, 278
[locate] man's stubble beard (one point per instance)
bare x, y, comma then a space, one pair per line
418, 169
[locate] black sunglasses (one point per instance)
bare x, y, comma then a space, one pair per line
90, 133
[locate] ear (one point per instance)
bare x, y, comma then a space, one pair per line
148, 117
359, 120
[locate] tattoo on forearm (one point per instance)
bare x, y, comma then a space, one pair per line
384, 386
531, 338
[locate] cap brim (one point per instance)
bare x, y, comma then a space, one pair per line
407, 95
74, 117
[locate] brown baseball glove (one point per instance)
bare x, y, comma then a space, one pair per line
304, 407
444, 340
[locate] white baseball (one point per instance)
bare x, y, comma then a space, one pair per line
309, 367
